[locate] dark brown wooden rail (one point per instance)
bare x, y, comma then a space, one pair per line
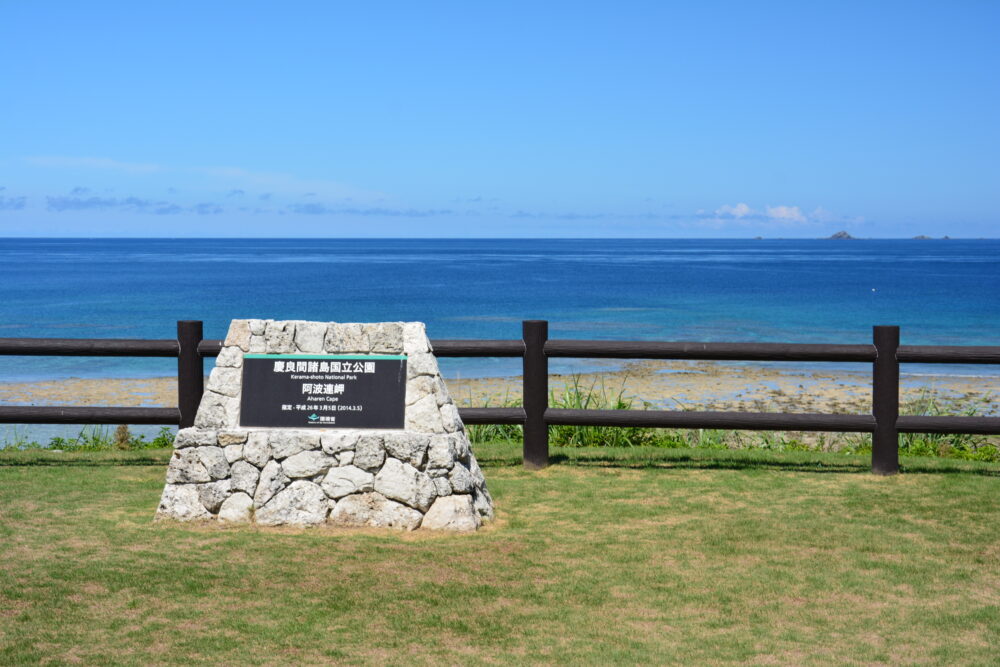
58, 414
88, 347
751, 421
941, 354
621, 349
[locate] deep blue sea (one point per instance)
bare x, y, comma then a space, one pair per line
938, 291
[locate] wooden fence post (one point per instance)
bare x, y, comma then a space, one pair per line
885, 401
190, 370
535, 391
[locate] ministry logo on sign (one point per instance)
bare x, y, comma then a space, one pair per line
316, 419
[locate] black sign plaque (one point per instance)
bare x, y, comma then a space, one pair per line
323, 391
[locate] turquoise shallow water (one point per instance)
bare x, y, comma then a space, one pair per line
939, 292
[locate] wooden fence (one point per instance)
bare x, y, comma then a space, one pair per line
535, 348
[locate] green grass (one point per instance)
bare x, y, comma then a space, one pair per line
95, 438
577, 396
629, 555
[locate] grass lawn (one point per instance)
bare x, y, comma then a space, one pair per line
627, 556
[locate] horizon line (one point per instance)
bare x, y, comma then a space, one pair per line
503, 238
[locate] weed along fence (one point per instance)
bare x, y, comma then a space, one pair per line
535, 348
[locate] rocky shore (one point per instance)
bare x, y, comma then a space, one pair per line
660, 384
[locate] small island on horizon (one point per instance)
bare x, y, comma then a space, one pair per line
845, 235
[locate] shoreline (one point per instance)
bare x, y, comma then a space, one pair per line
661, 385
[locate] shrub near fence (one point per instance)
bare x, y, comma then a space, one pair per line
535, 415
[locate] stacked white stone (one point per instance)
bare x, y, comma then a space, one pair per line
424, 476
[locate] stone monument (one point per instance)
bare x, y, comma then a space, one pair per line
307, 423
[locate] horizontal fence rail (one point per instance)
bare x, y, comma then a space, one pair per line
478, 348
88, 347
750, 421
210, 348
534, 348
945, 354
581, 349
948, 424
16, 414
492, 415
607, 349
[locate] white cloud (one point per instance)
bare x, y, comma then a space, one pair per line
786, 213
741, 210
774, 217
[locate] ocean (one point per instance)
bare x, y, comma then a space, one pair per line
938, 291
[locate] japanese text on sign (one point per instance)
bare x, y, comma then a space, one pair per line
330, 391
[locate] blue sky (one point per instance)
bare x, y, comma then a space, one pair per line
499, 119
